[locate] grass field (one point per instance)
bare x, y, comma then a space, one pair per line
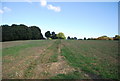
60, 59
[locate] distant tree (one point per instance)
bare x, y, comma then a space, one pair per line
7, 34
14, 25
79, 39
104, 38
54, 36
68, 37
0, 34
48, 34
117, 37
36, 32
84, 38
75, 38
61, 35
91, 39
72, 38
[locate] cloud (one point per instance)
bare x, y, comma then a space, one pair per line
51, 7
1, 11
43, 3
6, 9
29, 1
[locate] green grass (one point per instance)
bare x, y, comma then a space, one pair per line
96, 57
74, 75
55, 47
16, 49
54, 58
42, 59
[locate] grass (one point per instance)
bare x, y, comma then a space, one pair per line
44, 58
73, 75
96, 57
92, 57
54, 57
56, 47
16, 49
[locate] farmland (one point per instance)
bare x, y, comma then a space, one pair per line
60, 59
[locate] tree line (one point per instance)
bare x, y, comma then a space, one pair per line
23, 32
20, 32
117, 37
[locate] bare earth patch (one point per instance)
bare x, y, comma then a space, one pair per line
17, 68
47, 70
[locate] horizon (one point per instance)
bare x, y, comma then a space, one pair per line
74, 19
61, 32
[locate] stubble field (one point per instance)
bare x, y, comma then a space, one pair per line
60, 59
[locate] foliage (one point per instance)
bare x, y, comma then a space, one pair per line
20, 32
51, 35
91, 39
104, 38
117, 37
23, 32
47, 34
84, 38
68, 37
35, 33
75, 38
80, 39
61, 35
54, 36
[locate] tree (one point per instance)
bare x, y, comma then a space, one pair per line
104, 38
36, 32
20, 32
54, 36
117, 37
47, 34
80, 39
7, 34
75, 38
72, 38
68, 37
84, 38
61, 35
91, 39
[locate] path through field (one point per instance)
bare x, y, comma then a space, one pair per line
59, 59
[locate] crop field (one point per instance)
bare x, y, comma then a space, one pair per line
60, 59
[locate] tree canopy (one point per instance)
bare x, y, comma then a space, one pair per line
48, 34
117, 37
20, 32
53, 35
61, 35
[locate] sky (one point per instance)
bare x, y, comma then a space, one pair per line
74, 19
